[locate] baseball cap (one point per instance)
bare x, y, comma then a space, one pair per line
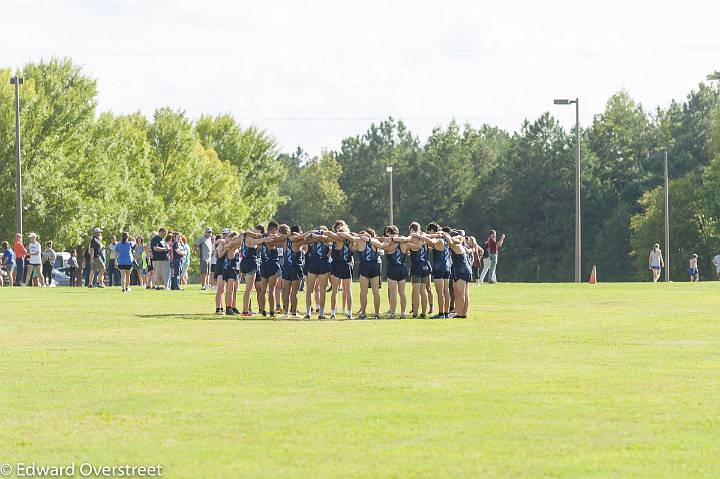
226, 231
32, 236
97, 230
208, 230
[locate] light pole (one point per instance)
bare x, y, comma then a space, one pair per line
578, 226
389, 169
17, 80
657, 155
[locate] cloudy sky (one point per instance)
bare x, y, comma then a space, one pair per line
312, 72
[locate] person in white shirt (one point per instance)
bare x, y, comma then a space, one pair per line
35, 264
656, 262
716, 262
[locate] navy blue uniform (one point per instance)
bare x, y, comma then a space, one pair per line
318, 258
269, 261
461, 267
249, 261
292, 268
441, 262
419, 266
341, 257
230, 269
369, 266
220, 266
396, 265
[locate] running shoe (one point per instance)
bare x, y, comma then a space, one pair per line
362, 316
219, 311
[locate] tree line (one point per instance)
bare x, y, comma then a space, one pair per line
83, 168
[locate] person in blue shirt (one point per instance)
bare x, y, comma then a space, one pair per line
125, 258
8, 263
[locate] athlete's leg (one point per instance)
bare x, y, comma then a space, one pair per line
392, 295
459, 289
249, 284
263, 287
347, 295
294, 288
403, 299
416, 298
271, 287
334, 284
440, 291
309, 292
423, 294
375, 283
363, 294
320, 291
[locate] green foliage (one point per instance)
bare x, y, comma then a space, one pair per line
125, 172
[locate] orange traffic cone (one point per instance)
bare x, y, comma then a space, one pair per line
593, 276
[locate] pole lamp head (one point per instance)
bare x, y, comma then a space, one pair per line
561, 101
16, 80
388, 169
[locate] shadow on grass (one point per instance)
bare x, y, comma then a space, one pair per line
215, 317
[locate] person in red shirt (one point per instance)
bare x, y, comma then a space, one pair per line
20, 254
493, 249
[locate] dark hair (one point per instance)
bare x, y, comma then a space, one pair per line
217, 237
272, 225
5, 244
124, 237
260, 228
432, 227
371, 232
446, 229
493, 232
391, 229
414, 226
48, 244
295, 229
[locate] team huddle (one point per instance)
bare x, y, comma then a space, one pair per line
265, 257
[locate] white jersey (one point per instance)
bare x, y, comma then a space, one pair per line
654, 258
34, 250
716, 262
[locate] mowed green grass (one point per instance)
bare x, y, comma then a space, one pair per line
555, 380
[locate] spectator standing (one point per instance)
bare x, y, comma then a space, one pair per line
204, 246
178, 253
716, 262
159, 248
97, 259
493, 249
48, 262
485, 262
73, 268
125, 259
656, 262
113, 272
139, 252
185, 262
34, 250
8, 262
20, 255
693, 269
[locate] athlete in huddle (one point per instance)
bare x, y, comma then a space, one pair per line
461, 272
230, 272
396, 247
292, 268
250, 240
419, 271
318, 271
441, 265
219, 248
340, 270
269, 269
368, 245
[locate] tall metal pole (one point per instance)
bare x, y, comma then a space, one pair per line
390, 170
667, 221
578, 229
17, 81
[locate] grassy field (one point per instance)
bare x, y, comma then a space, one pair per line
542, 380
